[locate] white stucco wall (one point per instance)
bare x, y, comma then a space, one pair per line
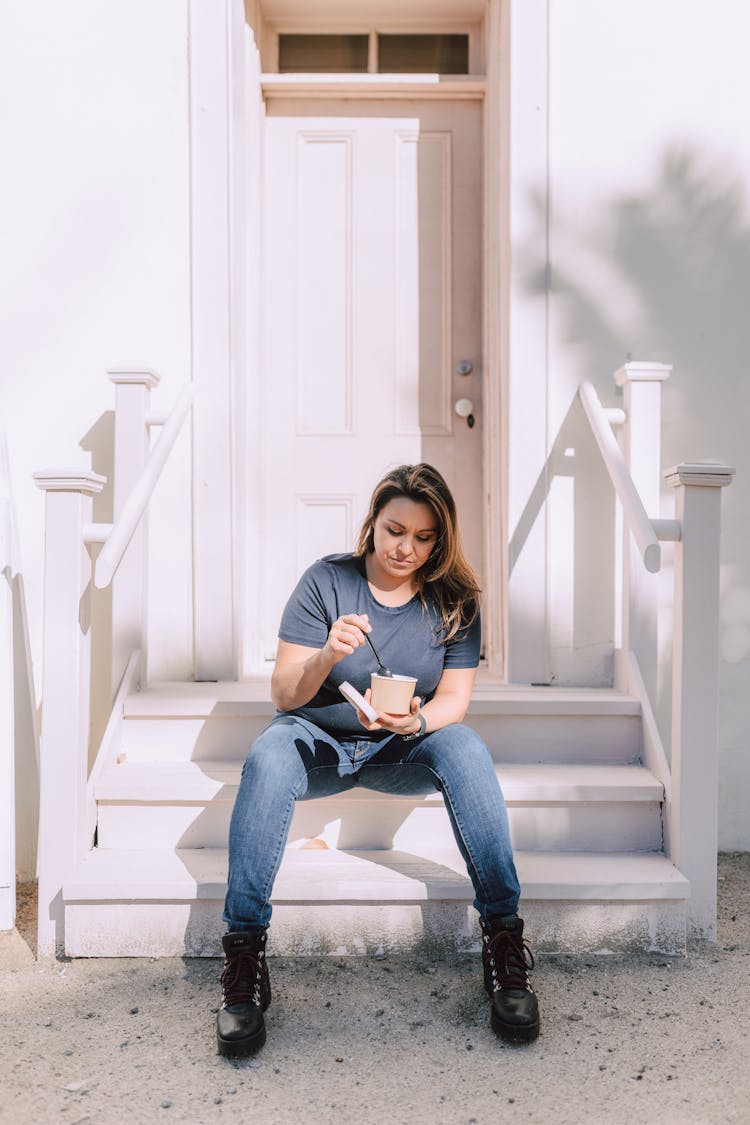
649, 212
632, 115
94, 218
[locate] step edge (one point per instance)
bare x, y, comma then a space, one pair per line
630, 709
664, 882
196, 701
186, 782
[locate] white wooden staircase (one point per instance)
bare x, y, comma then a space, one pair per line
364, 871
615, 831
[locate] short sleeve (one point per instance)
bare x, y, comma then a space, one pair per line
464, 650
306, 619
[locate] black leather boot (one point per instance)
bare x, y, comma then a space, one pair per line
507, 961
246, 993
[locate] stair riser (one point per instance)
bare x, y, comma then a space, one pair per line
113, 929
511, 738
362, 825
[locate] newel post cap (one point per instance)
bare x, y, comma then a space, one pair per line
69, 480
704, 474
134, 374
643, 372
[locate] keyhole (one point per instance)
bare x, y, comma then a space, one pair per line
470, 421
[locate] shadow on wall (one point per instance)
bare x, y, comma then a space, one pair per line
583, 527
664, 275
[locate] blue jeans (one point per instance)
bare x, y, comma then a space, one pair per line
293, 760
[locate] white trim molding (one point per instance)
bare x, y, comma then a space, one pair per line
138, 375
644, 372
380, 86
702, 474
70, 480
213, 242
527, 333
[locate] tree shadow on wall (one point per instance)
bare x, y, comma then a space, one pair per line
664, 275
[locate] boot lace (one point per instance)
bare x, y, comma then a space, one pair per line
510, 959
241, 978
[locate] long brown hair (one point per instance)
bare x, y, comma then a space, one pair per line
445, 579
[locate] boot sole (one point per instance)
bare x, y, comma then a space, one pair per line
513, 1033
240, 1048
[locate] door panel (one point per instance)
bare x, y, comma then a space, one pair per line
372, 295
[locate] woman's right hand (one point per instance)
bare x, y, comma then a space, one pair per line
346, 635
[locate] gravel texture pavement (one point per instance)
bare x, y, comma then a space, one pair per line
632, 1040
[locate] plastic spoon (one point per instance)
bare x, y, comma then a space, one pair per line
386, 673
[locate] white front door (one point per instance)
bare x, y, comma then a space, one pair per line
372, 297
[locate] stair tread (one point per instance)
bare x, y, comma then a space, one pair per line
229, 699
331, 876
548, 783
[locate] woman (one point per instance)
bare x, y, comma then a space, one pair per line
409, 584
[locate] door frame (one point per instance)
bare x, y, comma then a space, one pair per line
223, 81
369, 87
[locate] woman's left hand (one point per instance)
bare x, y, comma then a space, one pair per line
398, 724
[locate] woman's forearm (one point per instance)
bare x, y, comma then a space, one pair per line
294, 685
443, 710
451, 701
300, 671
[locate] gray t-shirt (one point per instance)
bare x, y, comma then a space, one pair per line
407, 638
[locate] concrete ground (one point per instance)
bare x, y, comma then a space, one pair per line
632, 1040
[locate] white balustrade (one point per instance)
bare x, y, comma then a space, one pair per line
132, 406
635, 513
692, 829
66, 664
641, 442
137, 501
691, 777
690, 780
66, 794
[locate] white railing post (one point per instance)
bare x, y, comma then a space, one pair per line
641, 446
693, 821
132, 401
66, 668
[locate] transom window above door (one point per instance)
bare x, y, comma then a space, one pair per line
374, 53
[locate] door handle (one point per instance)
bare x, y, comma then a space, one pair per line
464, 408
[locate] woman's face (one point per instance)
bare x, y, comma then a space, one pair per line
404, 535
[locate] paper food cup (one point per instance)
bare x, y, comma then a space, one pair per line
392, 693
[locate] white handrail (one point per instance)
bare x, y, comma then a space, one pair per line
124, 528
634, 512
